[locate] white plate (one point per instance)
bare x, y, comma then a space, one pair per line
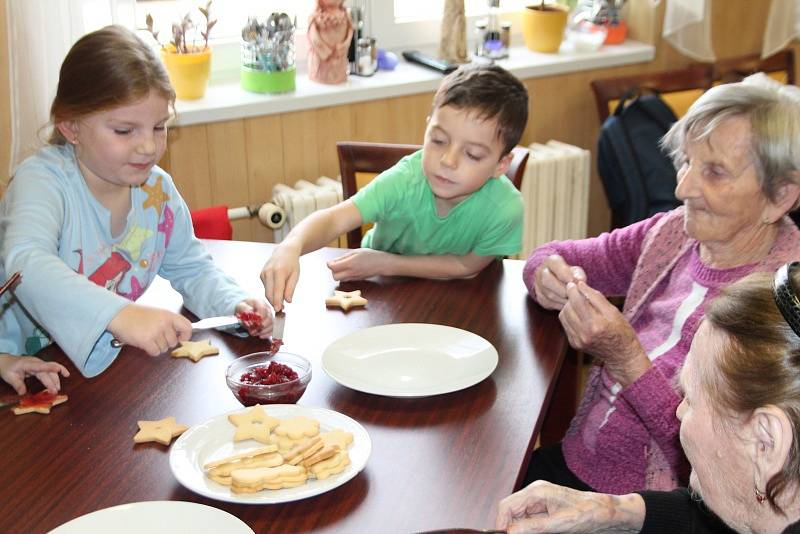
213, 440
156, 516
409, 359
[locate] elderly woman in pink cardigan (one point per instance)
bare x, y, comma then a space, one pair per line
738, 156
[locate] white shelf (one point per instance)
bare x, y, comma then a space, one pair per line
226, 100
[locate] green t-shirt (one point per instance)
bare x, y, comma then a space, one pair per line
401, 204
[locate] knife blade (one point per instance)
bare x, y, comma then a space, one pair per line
223, 321
277, 325
278, 322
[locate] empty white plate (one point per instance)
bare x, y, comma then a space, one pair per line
409, 360
154, 517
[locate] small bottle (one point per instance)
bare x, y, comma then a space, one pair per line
505, 34
480, 36
366, 56
491, 41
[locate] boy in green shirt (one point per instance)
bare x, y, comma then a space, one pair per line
444, 212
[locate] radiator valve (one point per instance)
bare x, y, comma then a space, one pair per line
271, 215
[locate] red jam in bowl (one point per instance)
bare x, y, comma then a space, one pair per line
268, 375
273, 374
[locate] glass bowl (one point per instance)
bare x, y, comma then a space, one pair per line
248, 379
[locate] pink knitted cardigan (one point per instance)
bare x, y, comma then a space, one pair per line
634, 261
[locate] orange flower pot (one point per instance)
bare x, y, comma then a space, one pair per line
543, 29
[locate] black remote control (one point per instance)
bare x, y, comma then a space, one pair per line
415, 56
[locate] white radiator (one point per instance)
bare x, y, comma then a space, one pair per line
300, 201
555, 190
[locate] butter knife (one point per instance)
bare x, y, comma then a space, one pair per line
10, 282
223, 321
277, 331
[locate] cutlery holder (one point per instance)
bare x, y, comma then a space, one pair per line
268, 63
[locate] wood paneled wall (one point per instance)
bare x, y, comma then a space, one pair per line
237, 162
5, 100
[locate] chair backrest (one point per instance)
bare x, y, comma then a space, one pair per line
779, 66
357, 159
679, 88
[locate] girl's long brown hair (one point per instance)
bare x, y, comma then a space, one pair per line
105, 69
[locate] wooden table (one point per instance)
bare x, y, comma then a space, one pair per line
436, 462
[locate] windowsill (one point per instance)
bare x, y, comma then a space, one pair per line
226, 100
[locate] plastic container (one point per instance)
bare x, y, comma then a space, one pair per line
259, 81
269, 67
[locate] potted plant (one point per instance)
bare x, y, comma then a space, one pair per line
543, 26
187, 59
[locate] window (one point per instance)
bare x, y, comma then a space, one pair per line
417, 23
397, 24
231, 15
415, 10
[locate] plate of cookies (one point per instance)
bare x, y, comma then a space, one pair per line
273, 454
409, 359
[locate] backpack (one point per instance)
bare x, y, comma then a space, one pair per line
638, 177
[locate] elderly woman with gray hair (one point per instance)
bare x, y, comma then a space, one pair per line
738, 156
740, 429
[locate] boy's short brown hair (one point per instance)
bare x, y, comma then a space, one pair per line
494, 93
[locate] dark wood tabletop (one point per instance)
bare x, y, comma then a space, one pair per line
437, 462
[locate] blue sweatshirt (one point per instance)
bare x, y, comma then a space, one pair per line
76, 276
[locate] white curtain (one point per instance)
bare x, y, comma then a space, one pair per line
40, 32
783, 26
687, 27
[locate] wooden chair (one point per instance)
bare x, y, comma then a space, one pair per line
359, 162
679, 88
779, 66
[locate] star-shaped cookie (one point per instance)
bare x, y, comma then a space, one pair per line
346, 299
195, 350
253, 423
161, 431
337, 437
39, 403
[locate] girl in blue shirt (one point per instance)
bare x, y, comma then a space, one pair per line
91, 219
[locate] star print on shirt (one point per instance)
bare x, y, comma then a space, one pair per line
167, 224
134, 239
156, 197
136, 290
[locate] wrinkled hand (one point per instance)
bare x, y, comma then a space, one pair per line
280, 275
594, 325
551, 279
151, 329
260, 307
15, 369
545, 507
359, 264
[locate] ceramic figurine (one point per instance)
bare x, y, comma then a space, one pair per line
329, 35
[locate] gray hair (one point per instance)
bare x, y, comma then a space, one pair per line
773, 110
